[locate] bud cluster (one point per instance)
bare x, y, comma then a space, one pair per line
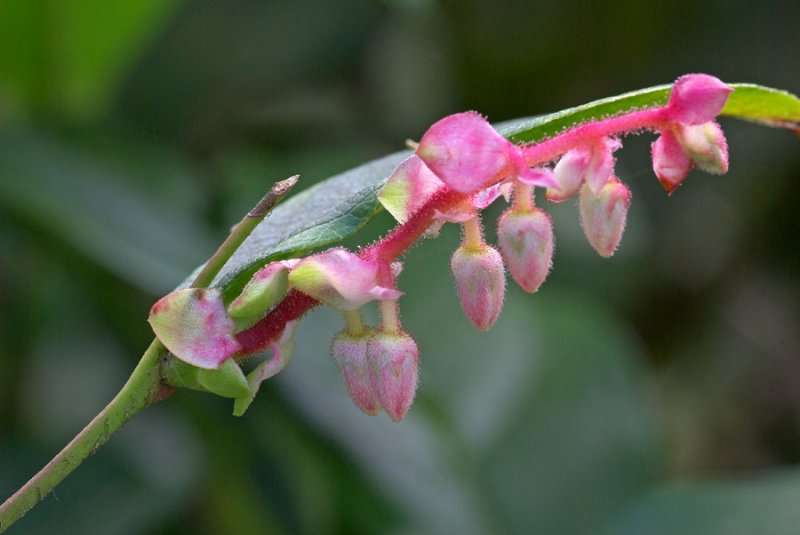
460, 166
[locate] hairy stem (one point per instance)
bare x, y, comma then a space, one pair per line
142, 389
259, 336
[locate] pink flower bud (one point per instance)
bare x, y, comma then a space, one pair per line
480, 283
340, 279
705, 143
408, 188
349, 352
603, 215
466, 153
393, 359
593, 164
697, 99
671, 162
195, 327
526, 243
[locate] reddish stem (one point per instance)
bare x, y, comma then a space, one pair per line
259, 336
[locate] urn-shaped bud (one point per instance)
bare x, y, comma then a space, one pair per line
603, 215
480, 283
671, 162
706, 145
393, 359
526, 244
697, 98
349, 352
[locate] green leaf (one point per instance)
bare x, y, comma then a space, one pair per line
347, 201
766, 504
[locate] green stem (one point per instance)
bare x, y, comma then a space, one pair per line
242, 230
142, 389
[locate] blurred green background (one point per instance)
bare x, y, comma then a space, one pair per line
656, 392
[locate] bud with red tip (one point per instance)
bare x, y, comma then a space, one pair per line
393, 363
480, 283
671, 162
526, 240
603, 215
349, 351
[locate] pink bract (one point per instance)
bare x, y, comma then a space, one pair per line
466, 153
697, 99
340, 279
194, 326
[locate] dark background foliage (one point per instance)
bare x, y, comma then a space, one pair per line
658, 391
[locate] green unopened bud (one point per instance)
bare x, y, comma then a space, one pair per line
228, 381
268, 286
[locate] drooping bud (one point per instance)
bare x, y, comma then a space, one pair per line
603, 215
393, 361
526, 244
592, 164
671, 162
282, 352
194, 326
480, 283
706, 146
408, 188
349, 352
340, 279
466, 153
268, 286
697, 98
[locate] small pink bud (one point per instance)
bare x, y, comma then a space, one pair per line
340, 279
526, 243
697, 99
671, 162
393, 359
194, 326
466, 153
349, 352
480, 283
706, 145
603, 215
408, 188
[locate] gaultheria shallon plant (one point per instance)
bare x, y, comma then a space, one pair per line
460, 166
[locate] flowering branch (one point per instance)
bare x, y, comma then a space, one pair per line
460, 166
